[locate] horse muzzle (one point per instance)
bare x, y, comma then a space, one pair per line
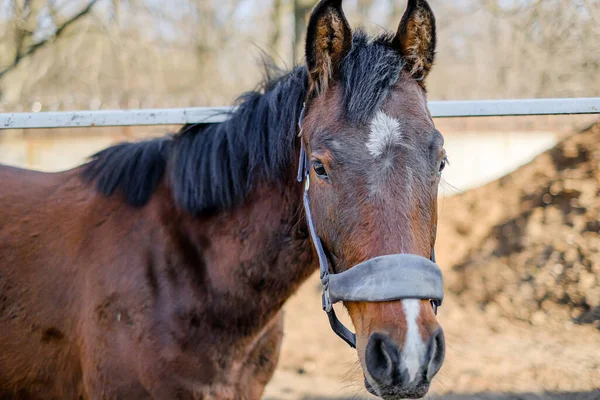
383, 278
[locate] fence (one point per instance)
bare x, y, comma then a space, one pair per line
470, 150
178, 116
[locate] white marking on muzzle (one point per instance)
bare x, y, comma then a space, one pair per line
414, 349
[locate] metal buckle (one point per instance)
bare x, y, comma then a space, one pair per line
326, 300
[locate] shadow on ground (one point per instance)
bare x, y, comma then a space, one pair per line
591, 395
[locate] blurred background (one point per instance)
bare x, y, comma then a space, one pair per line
519, 209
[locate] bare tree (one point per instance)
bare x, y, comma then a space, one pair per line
26, 19
301, 10
276, 22
129, 53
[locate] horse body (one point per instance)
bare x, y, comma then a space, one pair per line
35, 311
194, 312
159, 269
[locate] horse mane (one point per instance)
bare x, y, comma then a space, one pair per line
212, 167
134, 169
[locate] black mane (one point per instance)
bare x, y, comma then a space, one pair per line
212, 167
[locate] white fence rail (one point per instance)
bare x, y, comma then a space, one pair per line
179, 116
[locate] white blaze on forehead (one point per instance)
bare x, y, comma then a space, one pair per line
414, 349
385, 133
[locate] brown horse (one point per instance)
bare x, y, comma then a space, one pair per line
159, 269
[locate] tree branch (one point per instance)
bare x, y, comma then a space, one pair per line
35, 47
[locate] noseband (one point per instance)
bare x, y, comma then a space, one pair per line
384, 278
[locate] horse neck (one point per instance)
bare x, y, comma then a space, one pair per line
253, 257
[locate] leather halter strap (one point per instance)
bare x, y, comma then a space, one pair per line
384, 278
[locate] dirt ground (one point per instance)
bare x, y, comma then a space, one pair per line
486, 358
532, 238
520, 314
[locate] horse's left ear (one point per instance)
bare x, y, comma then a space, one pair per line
415, 38
328, 40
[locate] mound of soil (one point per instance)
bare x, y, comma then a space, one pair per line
527, 246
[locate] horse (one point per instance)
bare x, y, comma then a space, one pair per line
158, 269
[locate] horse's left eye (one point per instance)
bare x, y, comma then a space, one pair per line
443, 164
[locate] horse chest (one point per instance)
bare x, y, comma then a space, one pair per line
218, 368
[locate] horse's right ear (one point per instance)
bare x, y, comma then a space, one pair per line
328, 40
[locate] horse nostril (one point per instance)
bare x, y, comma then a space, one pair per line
437, 351
382, 359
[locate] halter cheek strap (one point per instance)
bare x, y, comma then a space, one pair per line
384, 278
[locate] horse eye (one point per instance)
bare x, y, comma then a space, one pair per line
443, 164
319, 169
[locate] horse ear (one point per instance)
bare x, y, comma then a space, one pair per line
415, 38
328, 40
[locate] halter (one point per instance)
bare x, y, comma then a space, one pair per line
383, 278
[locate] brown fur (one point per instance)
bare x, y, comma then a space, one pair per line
416, 39
394, 223
100, 300
330, 39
